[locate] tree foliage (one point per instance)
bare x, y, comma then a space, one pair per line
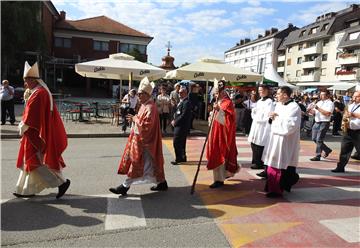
21, 30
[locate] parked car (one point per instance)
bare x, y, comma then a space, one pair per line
19, 95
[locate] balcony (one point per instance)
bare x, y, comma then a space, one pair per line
281, 69
281, 58
310, 77
312, 64
349, 58
314, 49
348, 75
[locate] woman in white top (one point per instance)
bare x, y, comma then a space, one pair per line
163, 103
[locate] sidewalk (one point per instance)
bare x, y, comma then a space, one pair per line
100, 127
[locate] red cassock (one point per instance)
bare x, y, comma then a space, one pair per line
148, 137
46, 134
221, 147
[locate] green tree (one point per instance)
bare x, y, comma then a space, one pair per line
21, 31
186, 63
137, 55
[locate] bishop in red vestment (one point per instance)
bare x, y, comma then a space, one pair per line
43, 141
143, 160
221, 150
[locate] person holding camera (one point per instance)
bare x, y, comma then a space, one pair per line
7, 102
322, 111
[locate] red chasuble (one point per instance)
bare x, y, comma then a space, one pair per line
145, 135
46, 134
221, 147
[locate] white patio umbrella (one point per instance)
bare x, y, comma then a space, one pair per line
208, 69
271, 75
119, 66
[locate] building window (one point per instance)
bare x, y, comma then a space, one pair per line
253, 48
300, 47
268, 44
298, 73
324, 57
299, 60
288, 62
337, 55
127, 48
323, 71
302, 33
325, 42
289, 49
313, 30
325, 26
336, 70
354, 36
101, 45
247, 50
62, 42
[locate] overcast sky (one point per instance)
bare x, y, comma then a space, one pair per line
200, 28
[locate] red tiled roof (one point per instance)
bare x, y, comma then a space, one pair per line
99, 24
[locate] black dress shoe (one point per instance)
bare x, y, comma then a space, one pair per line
327, 154
160, 187
257, 167
120, 190
262, 174
316, 158
355, 157
23, 196
216, 184
63, 188
338, 170
273, 195
174, 162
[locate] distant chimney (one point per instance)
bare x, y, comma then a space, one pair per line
290, 25
237, 44
247, 40
259, 36
267, 32
241, 42
62, 15
354, 6
274, 30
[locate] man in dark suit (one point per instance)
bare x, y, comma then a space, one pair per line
181, 124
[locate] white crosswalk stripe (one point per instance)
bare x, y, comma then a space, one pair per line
346, 228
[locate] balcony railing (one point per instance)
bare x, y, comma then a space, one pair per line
280, 69
349, 58
310, 77
281, 58
312, 64
314, 49
348, 75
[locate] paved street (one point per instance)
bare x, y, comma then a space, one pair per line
321, 211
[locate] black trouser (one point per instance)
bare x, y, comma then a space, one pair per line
337, 123
7, 107
163, 121
179, 143
257, 152
125, 112
350, 140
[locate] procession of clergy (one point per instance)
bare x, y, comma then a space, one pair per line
274, 138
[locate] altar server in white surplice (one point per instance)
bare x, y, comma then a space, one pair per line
260, 127
282, 151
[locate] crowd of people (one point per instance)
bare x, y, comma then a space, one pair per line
274, 135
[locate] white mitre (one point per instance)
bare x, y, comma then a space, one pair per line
146, 86
33, 72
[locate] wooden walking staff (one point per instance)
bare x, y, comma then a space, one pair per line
220, 85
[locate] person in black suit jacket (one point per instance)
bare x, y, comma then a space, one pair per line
181, 124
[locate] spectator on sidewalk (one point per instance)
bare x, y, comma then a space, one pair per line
130, 104
322, 111
337, 115
181, 124
7, 102
164, 105
351, 137
250, 104
43, 141
143, 160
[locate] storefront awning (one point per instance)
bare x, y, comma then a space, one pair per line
344, 86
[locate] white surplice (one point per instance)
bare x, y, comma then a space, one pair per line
260, 127
283, 147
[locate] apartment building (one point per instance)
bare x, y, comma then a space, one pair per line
255, 55
323, 53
